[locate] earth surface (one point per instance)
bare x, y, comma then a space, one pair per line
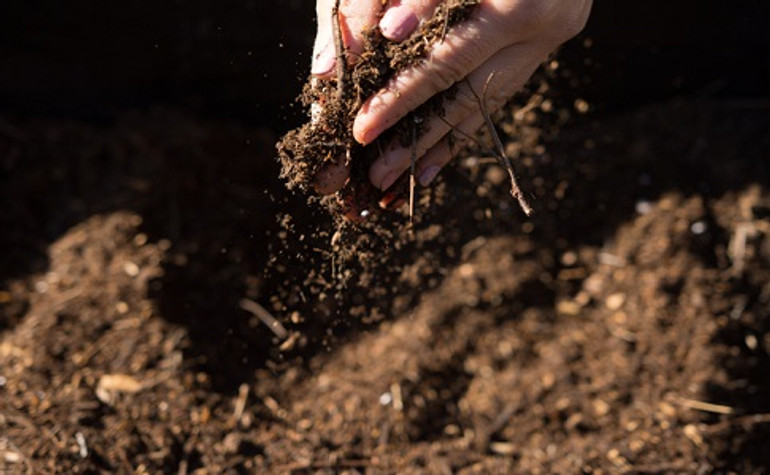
167, 305
623, 328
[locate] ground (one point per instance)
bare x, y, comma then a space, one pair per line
623, 328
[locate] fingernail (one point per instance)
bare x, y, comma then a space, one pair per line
367, 136
428, 175
323, 62
398, 23
389, 179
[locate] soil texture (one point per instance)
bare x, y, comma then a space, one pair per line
623, 328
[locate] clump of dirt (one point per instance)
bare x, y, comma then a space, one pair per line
327, 137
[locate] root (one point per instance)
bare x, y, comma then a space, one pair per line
339, 48
499, 151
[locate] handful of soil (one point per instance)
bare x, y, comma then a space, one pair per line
328, 137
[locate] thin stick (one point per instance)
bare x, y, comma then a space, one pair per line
465, 135
261, 312
705, 406
411, 171
505, 162
339, 48
240, 404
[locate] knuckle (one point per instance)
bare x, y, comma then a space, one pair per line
447, 73
445, 70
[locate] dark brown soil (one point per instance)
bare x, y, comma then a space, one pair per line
624, 328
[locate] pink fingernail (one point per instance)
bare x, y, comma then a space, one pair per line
389, 179
428, 175
398, 23
323, 62
366, 137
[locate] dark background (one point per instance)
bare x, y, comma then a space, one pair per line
246, 59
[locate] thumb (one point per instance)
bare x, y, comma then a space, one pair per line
324, 56
356, 18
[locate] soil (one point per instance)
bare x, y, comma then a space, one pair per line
167, 306
623, 328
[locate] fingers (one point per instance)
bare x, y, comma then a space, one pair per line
402, 17
399, 21
356, 17
323, 49
441, 154
470, 44
506, 71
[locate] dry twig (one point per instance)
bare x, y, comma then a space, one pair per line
339, 48
266, 317
500, 154
411, 170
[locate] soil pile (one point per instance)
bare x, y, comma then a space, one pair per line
622, 328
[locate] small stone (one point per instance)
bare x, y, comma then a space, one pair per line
582, 106
232, 443
569, 258
567, 307
601, 408
615, 301
691, 432
140, 240
751, 342
131, 269
503, 448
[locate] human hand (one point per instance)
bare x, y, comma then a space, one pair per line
496, 50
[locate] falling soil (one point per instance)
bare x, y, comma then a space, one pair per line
624, 328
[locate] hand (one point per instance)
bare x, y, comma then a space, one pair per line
502, 44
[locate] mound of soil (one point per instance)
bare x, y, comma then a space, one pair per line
623, 328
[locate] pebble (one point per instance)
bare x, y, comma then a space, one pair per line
615, 301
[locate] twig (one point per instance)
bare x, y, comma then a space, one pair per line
411, 171
339, 48
240, 404
745, 421
261, 312
466, 136
505, 162
704, 406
